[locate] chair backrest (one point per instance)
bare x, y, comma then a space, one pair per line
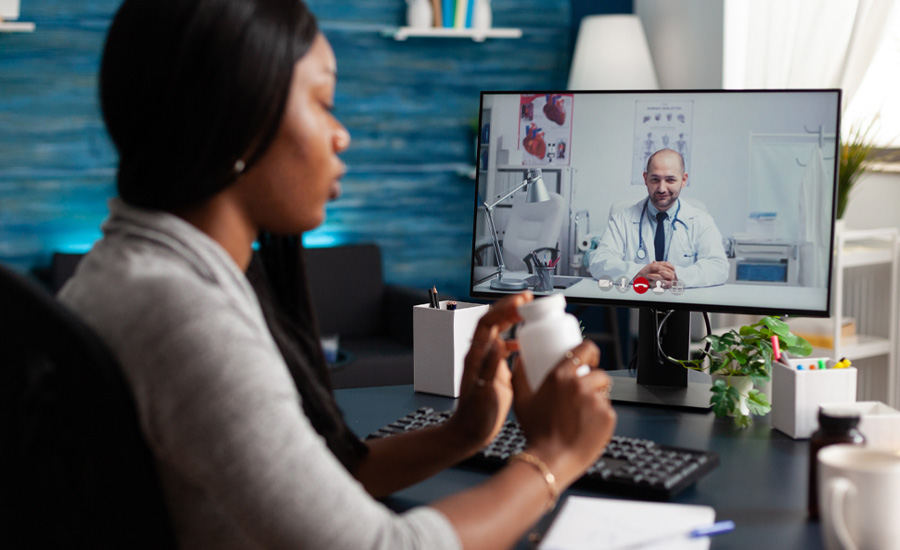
75, 469
532, 226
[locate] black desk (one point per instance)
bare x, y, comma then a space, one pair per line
761, 482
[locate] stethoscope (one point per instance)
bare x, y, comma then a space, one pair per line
641, 253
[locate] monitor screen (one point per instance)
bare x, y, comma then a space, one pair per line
744, 182
668, 201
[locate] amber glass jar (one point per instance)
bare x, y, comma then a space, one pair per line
835, 426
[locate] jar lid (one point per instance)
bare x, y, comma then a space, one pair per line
542, 307
836, 416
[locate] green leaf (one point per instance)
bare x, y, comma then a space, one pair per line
717, 344
758, 403
719, 399
777, 326
733, 395
800, 348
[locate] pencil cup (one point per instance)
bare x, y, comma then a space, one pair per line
797, 394
544, 279
441, 339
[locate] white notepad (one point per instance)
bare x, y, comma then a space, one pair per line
588, 523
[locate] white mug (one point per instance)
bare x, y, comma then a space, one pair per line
859, 498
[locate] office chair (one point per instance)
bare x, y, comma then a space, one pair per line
75, 469
532, 226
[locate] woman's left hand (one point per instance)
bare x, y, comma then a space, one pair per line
485, 393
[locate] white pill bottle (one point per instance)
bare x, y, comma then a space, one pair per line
545, 336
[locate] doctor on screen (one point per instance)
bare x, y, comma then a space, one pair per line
662, 237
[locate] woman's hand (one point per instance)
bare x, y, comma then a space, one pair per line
569, 419
486, 392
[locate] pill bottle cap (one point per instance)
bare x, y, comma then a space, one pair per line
542, 307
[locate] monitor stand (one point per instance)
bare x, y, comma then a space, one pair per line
660, 382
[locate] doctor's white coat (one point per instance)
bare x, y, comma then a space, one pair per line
695, 248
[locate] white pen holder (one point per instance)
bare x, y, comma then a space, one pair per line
441, 339
797, 394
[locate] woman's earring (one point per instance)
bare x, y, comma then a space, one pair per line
239, 166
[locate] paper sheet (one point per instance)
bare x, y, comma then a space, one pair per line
587, 523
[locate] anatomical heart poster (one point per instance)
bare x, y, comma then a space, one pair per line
545, 129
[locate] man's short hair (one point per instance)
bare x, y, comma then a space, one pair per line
650, 159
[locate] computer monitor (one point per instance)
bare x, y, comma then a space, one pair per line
746, 180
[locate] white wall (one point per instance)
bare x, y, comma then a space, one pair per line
874, 202
686, 41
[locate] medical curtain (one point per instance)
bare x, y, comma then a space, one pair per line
788, 174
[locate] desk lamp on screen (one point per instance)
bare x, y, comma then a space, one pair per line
537, 192
744, 190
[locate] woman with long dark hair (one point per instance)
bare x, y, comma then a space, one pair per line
221, 112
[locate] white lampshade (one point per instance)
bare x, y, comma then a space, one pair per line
611, 53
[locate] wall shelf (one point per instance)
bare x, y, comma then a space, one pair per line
16, 26
478, 35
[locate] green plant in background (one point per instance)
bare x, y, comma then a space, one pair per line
746, 352
854, 153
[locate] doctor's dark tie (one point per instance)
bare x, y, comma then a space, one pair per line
659, 241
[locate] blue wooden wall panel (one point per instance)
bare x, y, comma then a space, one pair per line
410, 107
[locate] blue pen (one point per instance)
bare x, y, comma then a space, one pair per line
716, 528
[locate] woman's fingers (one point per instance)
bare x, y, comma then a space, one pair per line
502, 314
499, 317
585, 354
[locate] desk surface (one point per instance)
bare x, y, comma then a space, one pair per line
761, 481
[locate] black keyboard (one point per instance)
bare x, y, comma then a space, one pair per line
630, 467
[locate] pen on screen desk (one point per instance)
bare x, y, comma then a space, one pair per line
716, 528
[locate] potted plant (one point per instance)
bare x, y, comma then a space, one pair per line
854, 153
739, 360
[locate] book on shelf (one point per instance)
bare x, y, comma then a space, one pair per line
453, 14
437, 10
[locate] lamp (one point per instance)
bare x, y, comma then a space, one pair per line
537, 192
611, 53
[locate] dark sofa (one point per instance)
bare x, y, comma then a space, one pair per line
372, 319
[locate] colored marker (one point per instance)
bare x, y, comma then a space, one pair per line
843, 363
821, 364
776, 349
